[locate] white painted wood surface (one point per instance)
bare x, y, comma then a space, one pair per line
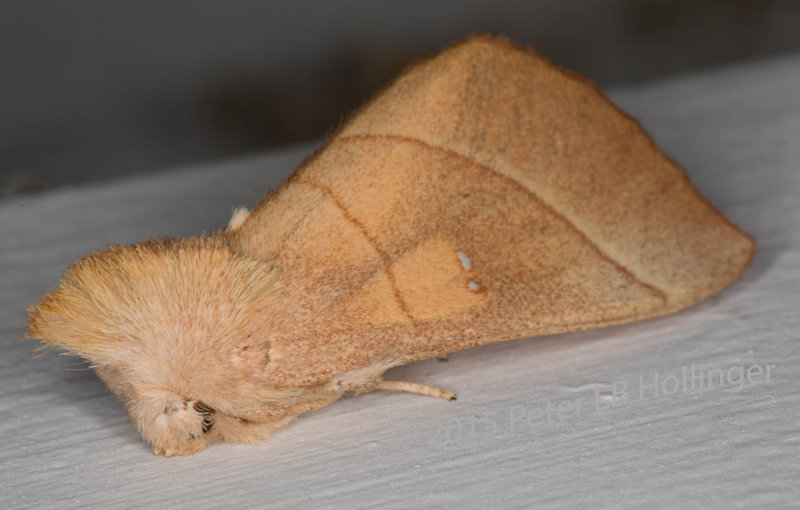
516, 437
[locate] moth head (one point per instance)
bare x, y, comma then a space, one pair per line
176, 329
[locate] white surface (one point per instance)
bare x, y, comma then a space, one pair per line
66, 442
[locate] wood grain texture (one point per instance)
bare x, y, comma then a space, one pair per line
68, 444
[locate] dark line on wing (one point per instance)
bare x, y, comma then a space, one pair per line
450, 152
387, 261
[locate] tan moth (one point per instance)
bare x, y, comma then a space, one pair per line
484, 195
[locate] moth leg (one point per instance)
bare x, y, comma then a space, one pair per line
190, 447
421, 389
443, 357
305, 407
239, 215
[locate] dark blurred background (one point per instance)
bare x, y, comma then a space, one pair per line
94, 89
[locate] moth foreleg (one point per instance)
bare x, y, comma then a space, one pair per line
410, 387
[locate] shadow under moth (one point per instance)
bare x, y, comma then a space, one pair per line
484, 195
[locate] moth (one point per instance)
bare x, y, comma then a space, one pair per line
484, 195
